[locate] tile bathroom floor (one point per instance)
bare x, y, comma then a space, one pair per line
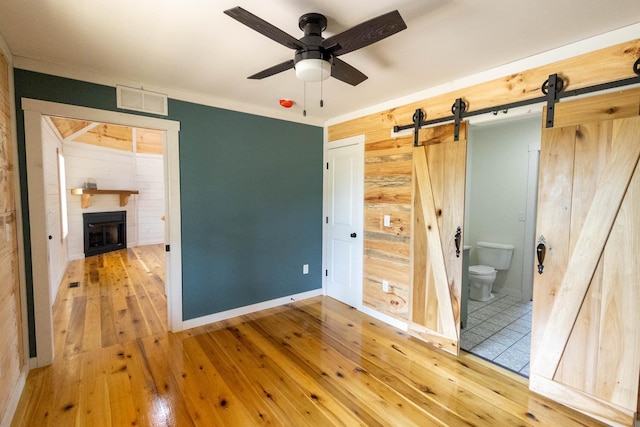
499, 330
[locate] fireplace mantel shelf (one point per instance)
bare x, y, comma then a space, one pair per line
88, 193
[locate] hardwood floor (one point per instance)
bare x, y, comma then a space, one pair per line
120, 297
315, 362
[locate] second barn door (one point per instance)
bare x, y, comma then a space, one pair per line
438, 216
585, 349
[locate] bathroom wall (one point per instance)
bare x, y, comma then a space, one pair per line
497, 172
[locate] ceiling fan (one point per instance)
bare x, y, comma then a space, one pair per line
316, 58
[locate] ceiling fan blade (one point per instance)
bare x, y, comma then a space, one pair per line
273, 70
264, 28
365, 33
346, 73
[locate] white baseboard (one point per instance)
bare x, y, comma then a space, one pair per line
15, 399
33, 363
223, 315
516, 293
74, 257
384, 318
148, 242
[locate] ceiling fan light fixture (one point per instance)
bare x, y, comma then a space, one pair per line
313, 69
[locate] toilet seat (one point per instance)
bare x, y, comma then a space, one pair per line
481, 270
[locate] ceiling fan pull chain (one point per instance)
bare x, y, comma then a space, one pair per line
304, 109
321, 88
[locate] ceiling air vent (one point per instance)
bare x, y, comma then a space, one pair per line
141, 100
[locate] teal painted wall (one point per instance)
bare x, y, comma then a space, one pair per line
251, 198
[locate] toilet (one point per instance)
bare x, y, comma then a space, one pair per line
491, 257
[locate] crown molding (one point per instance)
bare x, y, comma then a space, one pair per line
66, 71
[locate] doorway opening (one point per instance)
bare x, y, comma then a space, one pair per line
500, 208
44, 288
119, 171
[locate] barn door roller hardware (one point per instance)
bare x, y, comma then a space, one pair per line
418, 122
552, 89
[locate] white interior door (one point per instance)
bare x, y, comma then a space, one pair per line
56, 244
344, 220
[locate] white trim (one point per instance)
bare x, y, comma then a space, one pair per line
47, 108
601, 41
173, 234
39, 245
33, 112
531, 209
12, 405
515, 293
396, 323
352, 140
32, 362
247, 309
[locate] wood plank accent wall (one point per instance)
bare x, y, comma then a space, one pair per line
12, 355
388, 161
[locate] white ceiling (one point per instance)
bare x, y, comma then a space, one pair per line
192, 47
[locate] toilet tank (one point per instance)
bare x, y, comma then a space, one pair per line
496, 255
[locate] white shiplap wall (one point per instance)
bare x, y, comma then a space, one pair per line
115, 170
150, 179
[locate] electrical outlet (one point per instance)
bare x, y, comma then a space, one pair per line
305, 269
387, 220
7, 232
385, 286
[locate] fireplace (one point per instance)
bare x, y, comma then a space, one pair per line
104, 232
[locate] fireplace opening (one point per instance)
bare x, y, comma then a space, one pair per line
104, 232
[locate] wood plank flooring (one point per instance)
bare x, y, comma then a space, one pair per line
120, 297
315, 362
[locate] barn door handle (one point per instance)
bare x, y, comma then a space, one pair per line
541, 249
456, 239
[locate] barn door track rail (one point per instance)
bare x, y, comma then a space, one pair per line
552, 90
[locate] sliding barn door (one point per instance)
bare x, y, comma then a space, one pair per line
438, 216
586, 306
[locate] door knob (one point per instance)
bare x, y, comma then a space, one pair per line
354, 235
50, 237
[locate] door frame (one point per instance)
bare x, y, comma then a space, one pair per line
345, 142
34, 110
